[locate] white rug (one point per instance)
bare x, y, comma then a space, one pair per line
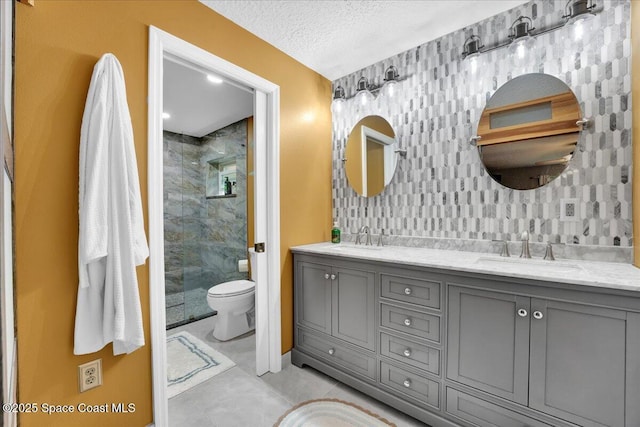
190, 362
330, 413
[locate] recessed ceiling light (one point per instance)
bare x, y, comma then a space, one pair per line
166, 115
214, 79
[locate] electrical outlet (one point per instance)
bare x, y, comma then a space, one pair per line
569, 210
90, 375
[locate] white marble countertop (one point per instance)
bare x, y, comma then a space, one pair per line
589, 273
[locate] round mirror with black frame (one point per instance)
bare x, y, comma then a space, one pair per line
370, 156
529, 131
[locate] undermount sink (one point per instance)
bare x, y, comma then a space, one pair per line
539, 264
342, 247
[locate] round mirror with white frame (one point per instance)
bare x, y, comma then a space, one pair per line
528, 131
371, 156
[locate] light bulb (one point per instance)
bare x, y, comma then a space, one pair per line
473, 62
214, 79
338, 105
390, 89
364, 98
522, 52
579, 31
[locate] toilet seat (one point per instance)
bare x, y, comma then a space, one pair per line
230, 289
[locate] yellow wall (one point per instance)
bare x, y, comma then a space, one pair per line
57, 45
353, 154
635, 86
375, 167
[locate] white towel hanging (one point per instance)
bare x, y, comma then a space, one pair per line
111, 240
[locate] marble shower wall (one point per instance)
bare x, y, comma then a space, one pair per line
441, 190
204, 237
224, 232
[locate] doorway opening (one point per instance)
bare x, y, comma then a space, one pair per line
266, 217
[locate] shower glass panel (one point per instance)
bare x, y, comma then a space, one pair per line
205, 217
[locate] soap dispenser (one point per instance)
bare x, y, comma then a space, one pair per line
335, 233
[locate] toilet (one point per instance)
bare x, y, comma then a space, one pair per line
235, 303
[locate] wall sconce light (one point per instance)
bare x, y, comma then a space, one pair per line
471, 53
337, 105
364, 97
577, 28
390, 86
365, 93
522, 47
580, 18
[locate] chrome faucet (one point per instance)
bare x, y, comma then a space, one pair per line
364, 229
505, 248
525, 245
548, 253
380, 241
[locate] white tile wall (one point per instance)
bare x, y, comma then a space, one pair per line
441, 189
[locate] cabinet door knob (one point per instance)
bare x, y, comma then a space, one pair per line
333, 277
326, 275
537, 315
522, 312
407, 322
331, 351
407, 291
407, 352
407, 383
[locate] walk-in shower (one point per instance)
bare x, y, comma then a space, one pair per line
205, 217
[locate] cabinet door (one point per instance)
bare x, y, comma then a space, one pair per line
313, 296
354, 306
488, 341
578, 362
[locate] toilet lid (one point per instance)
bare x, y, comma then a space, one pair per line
229, 289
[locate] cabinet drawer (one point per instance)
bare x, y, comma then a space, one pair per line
334, 353
408, 289
425, 391
412, 322
485, 414
410, 352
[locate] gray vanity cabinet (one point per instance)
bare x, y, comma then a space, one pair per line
338, 301
468, 349
488, 342
313, 296
578, 366
564, 359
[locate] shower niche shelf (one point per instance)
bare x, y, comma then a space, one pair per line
221, 178
223, 196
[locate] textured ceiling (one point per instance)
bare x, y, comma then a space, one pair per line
336, 38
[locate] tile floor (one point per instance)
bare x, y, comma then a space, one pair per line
238, 398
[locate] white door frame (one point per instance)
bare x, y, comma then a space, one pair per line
266, 211
8, 339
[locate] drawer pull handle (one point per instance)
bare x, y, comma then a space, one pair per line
407, 352
333, 277
407, 383
537, 315
522, 312
407, 322
407, 291
331, 351
326, 275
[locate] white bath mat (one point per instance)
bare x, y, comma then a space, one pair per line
330, 413
190, 362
